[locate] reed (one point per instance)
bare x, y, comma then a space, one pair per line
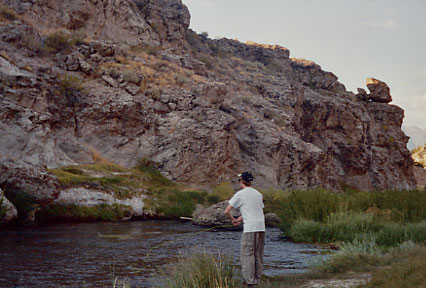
203, 270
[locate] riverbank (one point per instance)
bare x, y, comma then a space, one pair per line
352, 266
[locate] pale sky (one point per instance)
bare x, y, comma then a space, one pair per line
354, 39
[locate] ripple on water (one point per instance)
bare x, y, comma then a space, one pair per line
90, 253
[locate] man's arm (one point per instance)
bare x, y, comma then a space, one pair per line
235, 222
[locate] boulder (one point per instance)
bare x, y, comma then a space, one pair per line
379, 91
215, 216
27, 186
272, 220
81, 196
8, 211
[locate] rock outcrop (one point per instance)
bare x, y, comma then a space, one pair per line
142, 85
81, 196
27, 186
214, 216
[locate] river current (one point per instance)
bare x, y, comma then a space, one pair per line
93, 254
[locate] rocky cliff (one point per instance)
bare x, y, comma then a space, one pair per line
125, 80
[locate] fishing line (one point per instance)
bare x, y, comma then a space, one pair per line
181, 238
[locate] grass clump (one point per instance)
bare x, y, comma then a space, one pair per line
57, 42
203, 270
348, 227
7, 14
71, 85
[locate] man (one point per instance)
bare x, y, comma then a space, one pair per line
250, 203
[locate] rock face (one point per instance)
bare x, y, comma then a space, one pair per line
142, 84
27, 186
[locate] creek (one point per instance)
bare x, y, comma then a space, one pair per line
92, 254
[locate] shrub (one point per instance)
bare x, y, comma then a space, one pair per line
309, 231
394, 234
149, 168
224, 191
8, 14
348, 226
131, 76
314, 205
57, 42
71, 86
78, 37
203, 270
178, 204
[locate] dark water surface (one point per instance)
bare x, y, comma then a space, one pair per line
92, 254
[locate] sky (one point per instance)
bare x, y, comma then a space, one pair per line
354, 39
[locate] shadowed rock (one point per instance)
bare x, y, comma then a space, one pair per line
27, 186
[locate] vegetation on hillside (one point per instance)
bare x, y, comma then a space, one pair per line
164, 198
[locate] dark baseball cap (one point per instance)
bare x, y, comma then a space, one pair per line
246, 176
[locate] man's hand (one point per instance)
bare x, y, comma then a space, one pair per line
235, 222
238, 221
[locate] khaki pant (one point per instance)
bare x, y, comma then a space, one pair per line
252, 246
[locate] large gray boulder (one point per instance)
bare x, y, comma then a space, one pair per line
215, 216
27, 186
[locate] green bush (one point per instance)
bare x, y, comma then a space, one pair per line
203, 270
394, 234
350, 227
309, 231
224, 191
314, 205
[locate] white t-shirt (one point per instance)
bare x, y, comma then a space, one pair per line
250, 203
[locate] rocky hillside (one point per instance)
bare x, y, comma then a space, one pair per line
125, 80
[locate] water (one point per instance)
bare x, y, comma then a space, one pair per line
92, 254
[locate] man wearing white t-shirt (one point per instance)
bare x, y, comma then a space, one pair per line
250, 203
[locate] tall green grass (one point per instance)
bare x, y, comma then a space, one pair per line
203, 270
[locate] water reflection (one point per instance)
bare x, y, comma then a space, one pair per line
90, 254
